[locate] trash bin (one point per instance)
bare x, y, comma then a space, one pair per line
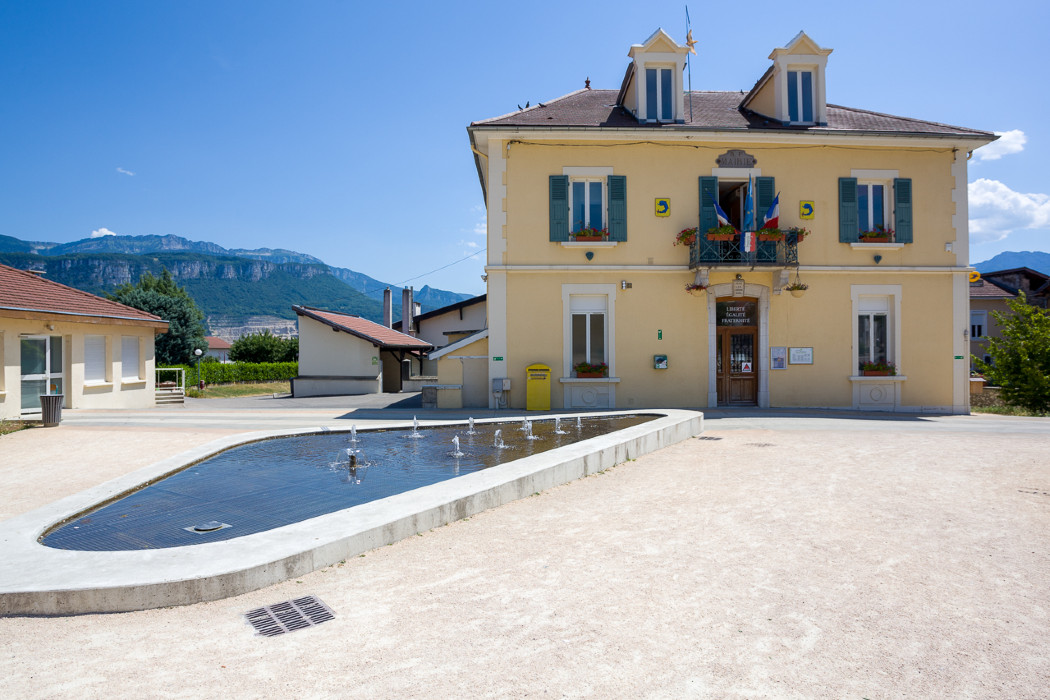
51, 409
538, 388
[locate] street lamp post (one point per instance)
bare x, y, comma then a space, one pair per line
198, 352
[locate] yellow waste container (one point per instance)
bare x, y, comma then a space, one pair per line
538, 388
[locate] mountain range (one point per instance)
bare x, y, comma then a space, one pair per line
1009, 260
238, 290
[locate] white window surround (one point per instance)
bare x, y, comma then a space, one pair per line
675, 87
800, 95
567, 292
877, 393
978, 324
784, 61
588, 171
884, 178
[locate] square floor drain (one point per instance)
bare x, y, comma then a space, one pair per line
289, 616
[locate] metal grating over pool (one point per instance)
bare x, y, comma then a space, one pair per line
288, 616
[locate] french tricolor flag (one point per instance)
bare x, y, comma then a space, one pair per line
747, 241
772, 217
723, 220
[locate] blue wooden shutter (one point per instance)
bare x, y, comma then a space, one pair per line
708, 197
902, 209
617, 207
765, 191
849, 219
559, 207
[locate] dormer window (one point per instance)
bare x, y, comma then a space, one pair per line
659, 93
800, 96
793, 90
652, 89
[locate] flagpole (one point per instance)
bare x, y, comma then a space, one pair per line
689, 63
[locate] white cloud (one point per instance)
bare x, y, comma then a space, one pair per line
481, 226
996, 211
1009, 142
125, 172
100, 232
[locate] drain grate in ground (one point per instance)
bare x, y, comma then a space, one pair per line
707, 437
289, 616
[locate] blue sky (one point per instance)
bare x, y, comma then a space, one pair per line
338, 128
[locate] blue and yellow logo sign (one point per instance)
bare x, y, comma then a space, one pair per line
806, 210
663, 206
974, 275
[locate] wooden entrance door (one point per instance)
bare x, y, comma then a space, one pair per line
737, 353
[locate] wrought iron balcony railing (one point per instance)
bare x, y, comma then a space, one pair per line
782, 253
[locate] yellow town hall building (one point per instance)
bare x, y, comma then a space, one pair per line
588, 194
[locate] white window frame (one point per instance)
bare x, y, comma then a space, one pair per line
587, 203
981, 324
588, 292
873, 298
135, 367
800, 94
659, 117
887, 204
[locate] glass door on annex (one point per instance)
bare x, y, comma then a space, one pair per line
41, 358
737, 351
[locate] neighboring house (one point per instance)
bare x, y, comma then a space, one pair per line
60, 340
217, 348
449, 323
640, 164
462, 376
991, 293
345, 354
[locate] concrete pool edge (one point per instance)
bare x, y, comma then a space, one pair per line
38, 580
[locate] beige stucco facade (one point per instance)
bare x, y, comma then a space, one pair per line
638, 284
126, 382
333, 363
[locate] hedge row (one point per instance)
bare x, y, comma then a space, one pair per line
229, 373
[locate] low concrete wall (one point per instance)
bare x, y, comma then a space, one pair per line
335, 386
38, 580
417, 382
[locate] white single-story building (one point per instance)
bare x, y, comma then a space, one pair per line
342, 354
58, 340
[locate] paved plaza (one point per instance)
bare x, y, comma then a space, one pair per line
778, 554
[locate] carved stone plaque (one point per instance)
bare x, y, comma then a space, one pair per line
736, 158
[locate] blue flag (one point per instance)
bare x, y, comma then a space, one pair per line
749, 208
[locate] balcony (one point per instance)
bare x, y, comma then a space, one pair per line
772, 254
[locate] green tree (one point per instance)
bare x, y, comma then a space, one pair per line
162, 297
1021, 357
264, 347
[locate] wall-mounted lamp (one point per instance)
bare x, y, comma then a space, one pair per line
589, 255
51, 326
878, 259
624, 284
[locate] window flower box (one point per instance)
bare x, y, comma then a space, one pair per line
797, 232
588, 370
879, 234
770, 234
590, 235
721, 233
878, 369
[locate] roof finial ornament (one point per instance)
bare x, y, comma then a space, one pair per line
587, 83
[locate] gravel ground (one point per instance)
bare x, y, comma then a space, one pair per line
816, 561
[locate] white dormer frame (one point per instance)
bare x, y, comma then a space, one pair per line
658, 51
801, 54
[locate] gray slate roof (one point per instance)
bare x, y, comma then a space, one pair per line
710, 110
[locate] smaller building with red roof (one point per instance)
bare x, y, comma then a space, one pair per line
343, 354
55, 339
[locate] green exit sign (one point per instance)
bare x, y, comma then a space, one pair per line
497, 359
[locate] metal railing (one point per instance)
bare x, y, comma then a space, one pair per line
782, 253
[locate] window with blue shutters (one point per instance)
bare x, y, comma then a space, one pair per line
874, 207
588, 206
